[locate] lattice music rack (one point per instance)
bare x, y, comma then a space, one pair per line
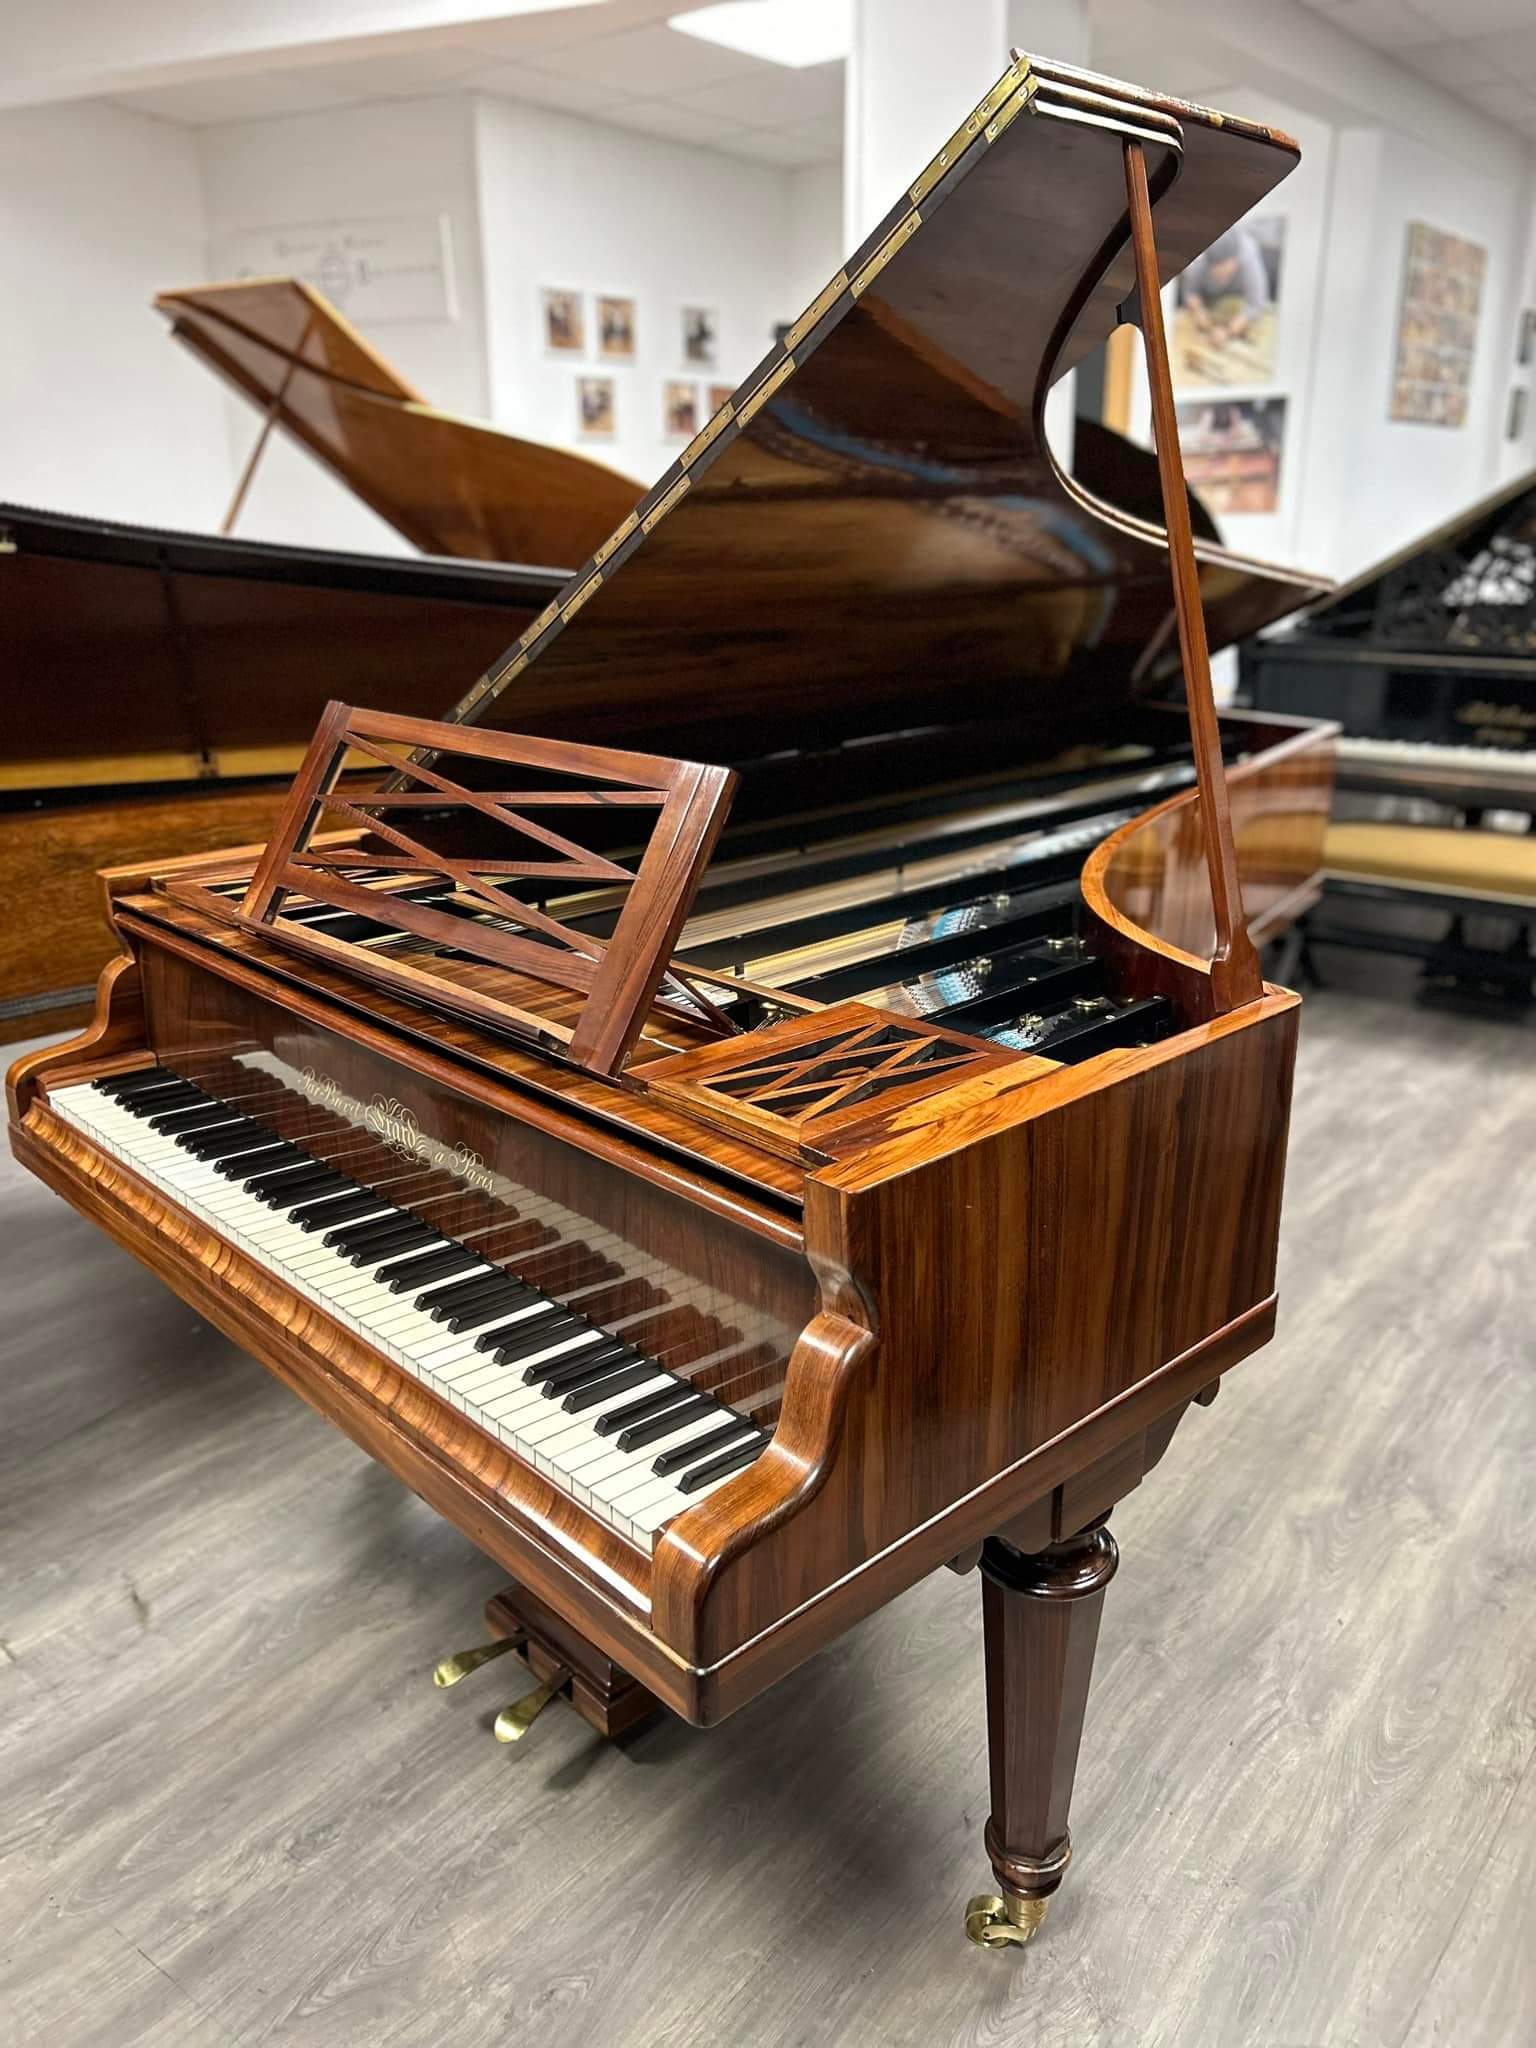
615, 980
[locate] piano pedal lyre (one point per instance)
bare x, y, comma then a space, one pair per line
563, 1663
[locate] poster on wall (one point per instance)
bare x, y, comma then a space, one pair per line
701, 337
565, 327
1437, 327
1227, 308
1232, 450
394, 267
718, 394
680, 410
595, 408
616, 329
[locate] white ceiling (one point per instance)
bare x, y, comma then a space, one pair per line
1483, 51
650, 78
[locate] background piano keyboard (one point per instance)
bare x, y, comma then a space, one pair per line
1502, 777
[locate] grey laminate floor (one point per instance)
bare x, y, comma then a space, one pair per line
232, 1809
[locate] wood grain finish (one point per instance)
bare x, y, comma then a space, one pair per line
451, 486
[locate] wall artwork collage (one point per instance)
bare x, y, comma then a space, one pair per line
611, 337
1225, 327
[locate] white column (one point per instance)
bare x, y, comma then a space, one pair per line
916, 69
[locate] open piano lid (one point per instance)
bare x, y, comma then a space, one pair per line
872, 532
451, 486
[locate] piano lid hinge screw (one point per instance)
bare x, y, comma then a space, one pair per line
514, 1720
463, 1662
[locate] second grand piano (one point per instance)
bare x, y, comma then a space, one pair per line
728, 1193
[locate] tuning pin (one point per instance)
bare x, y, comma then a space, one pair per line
514, 1721
460, 1665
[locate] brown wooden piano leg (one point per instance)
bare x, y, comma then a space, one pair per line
1041, 1615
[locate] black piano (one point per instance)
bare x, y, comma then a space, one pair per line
1428, 661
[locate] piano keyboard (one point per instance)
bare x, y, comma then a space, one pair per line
1485, 768
633, 1442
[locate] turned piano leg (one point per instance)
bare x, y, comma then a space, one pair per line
1041, 1616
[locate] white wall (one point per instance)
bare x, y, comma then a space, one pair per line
99, 209
574, 205
816, 249
391, 157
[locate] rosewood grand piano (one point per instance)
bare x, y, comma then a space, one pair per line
728, 1193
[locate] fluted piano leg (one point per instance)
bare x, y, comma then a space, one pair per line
1041, 1616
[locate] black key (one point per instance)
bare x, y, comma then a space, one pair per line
490, 1308
195, 1117
181, 1096
553, 1335
136, 1083
726, 1463
494, 1338
356, 1237
592, 1392
252, 1166
340, 1209
537, 1334
226, 1141
278, 1194
416, 1274
644, 1409
413, 1236
635, 1435
467, 1293
591, 1362
224, 1156
305, 1187
700, 1447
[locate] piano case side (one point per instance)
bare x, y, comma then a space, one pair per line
981, 1341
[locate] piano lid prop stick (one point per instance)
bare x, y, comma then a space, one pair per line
274, 407
1236, 977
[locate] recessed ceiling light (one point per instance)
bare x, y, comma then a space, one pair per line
792, 32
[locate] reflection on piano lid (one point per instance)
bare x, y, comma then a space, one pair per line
1428, 660
451, 486
915, 1119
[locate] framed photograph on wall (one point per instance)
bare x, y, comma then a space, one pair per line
701, 337
1514, 419
595, 408
1232, 449
1437, 327
1227, 306
680, 411
718, 394
565, 325
1525, 347
616, 329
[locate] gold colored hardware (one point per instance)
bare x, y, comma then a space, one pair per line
760, 397
513, 668
616, 540
824, 299
463, 1662
514, 1721
902, 232
664, 505
7, 543
1015, 107
569, 611
972, 126
710, 432
1007, 1922
547, 617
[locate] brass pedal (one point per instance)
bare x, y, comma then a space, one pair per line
515, 1719
463, 1662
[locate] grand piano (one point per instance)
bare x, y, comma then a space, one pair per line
729, 1184
1428, 662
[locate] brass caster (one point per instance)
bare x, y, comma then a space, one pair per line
514, 1721
460, 1665
1007, 1922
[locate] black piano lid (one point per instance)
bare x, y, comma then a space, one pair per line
872, 533
1468, 587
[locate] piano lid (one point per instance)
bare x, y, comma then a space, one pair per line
1466, 588
451, 486
872, 531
